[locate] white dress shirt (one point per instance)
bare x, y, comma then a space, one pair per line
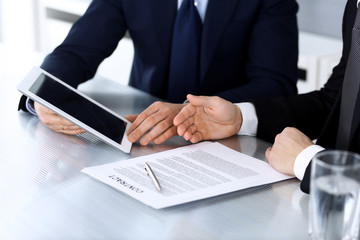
201, 6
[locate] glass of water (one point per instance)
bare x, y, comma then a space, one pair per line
334, 209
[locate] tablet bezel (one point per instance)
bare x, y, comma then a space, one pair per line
32, 77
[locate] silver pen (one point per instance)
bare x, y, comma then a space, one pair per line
152, 176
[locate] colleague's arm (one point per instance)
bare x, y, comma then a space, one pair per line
208, 118
91, 39
307, 112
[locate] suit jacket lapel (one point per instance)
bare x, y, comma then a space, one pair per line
355, 119
164, 14
218, 14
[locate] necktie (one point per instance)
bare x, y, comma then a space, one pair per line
185, 53
350, 99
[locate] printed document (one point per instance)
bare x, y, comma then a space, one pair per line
186, 174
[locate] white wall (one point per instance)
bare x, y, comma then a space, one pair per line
17, 27
26, 27
1, 22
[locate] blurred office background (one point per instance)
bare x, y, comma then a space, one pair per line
37, 26
321, 16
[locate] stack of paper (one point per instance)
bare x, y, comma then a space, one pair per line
186, 174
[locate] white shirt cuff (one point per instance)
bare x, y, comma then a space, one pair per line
250, 120
30, 106
304, 158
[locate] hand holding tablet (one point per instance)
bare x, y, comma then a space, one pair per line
78, 110
56, 122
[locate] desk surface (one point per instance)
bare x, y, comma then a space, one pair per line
45, 196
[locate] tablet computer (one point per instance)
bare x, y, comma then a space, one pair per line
76, 107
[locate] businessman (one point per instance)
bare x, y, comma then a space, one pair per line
331, 115
236, 49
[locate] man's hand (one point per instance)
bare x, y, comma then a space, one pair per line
55, 122
154, 124
287, 146
208, 118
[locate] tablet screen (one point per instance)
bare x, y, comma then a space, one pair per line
79, 107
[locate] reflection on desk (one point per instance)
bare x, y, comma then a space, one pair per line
45, 196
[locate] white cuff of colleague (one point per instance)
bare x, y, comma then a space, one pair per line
304, 158
249, 127
249, 117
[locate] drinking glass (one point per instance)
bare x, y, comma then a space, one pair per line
334, 209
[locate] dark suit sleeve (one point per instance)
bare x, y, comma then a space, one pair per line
271, 66
307, 112
91, 39
305, 183
22, 104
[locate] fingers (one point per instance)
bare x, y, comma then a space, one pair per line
131, 117
193, 135
70, 129
141, 126
196, 137
155, 123
163, 131
189, 132
184, 114
166, 135
62, 125
55, 122
183, 127
139, 120
190, 109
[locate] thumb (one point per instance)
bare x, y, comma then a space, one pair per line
199, 100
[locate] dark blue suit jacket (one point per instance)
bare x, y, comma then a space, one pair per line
316, 113
249, 48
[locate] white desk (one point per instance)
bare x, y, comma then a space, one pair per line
45, 196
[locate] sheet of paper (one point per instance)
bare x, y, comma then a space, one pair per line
186, 174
